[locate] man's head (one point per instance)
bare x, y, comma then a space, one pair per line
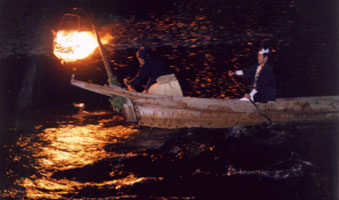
263, 55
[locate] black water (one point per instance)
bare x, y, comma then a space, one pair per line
51, 150
97, 155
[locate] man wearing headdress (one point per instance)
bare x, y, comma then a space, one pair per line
161, 80
263, 86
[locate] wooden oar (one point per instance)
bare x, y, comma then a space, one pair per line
255, 105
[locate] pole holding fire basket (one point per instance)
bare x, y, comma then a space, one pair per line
77, 13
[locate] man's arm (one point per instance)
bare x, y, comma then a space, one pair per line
143, 73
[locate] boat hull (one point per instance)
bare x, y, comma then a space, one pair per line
180, 112
199, 112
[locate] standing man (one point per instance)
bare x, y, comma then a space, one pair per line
263, 86
161, 80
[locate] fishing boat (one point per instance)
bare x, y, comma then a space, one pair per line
173, 112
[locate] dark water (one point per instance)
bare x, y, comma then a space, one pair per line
97, 155
51, 150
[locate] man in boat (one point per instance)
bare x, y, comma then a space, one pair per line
263, 86
161, 80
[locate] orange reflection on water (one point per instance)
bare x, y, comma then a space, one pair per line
36, 188
67, 147
71, 146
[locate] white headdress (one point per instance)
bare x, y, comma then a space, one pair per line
263, 51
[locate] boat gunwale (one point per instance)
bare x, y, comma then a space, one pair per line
139, 97
130, 94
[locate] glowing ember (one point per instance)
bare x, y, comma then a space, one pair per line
70, 46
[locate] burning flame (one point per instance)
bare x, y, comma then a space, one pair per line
70, 46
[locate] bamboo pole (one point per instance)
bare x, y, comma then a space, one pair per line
101, 49
102, 53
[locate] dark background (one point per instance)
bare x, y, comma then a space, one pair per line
201, 40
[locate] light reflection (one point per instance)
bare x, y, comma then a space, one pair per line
277, 174
58, 188
71, 146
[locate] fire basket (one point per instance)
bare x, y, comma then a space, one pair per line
72, 42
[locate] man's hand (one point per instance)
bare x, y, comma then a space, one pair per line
129, 87
230, 73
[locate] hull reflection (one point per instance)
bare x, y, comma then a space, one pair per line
71, 146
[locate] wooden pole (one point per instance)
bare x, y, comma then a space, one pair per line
102, 53
255, 105
101, 49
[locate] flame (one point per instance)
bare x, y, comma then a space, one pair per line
70, 46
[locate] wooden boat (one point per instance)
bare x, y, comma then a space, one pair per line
179, 112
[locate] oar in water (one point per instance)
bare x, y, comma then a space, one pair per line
255, 105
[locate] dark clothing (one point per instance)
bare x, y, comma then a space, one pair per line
265, 84
152, 69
